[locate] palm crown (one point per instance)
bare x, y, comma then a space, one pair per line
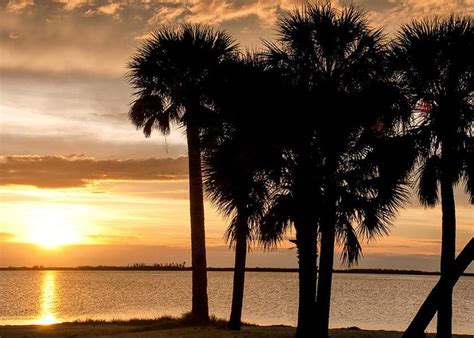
172, 72
434, 62
339, 64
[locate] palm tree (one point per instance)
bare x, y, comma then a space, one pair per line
434, 61
236, 165
240, 192
172, 73
295, 204
338, 61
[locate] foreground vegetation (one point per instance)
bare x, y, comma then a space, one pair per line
174, 327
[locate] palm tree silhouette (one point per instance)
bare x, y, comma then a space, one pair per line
172, 72
338, 62
236, 166
240, 192
296, 204
433, 62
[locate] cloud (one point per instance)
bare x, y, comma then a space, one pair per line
405, 11
213, 12
71, 4
109, 9
167, 15
14, 36
44, 115
18, 5
79, 171
74, 37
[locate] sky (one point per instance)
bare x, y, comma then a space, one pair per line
79, 185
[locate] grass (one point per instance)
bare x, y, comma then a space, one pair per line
161, 323
171, 327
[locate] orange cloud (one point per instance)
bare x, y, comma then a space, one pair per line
109, 9
78, 171
18, 5
71, 4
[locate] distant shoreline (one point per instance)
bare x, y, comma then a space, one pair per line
257, 269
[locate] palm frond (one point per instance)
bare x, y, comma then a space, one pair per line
428, 181
469, 173
277, 220
351, 248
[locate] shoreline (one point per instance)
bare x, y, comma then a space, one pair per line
151, 329
178, 327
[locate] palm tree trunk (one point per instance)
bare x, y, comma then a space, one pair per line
200, 307
432, 303
306, 241
448, 252
326, 262
239, 277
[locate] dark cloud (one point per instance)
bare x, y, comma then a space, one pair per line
78, 171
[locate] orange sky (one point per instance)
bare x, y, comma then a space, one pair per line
72, 165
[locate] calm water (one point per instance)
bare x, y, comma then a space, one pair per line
367, 301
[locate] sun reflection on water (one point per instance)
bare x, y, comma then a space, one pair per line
48, 299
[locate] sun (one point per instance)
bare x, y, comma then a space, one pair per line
53, 226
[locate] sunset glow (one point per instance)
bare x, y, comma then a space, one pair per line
186, 167
53, 226
76, 177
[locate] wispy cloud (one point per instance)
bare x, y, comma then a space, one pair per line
110, 9
77, 171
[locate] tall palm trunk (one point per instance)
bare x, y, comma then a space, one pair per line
448, 252
239, 276
200, 308
307, 259
326, 262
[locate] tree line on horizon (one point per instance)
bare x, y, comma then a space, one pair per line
322, 131
183, 267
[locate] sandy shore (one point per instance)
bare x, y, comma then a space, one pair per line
171, 329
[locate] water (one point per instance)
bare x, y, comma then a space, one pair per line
368, 301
